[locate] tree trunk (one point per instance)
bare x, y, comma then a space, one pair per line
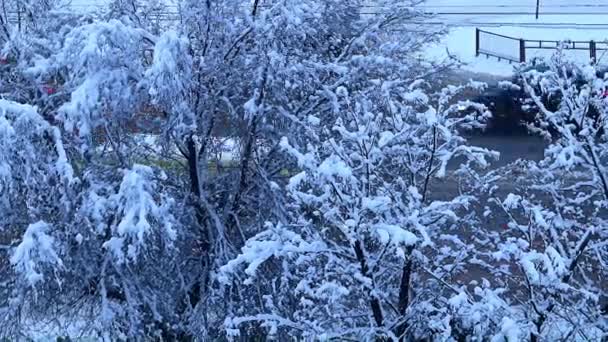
404, 294
204, 242
243, 177
374, 301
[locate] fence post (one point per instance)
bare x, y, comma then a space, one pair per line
522, 51
19, 18
592, 51
476, 42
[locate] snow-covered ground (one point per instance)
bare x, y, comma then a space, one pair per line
579, 20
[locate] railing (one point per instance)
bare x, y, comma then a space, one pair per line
517, 50
498, 46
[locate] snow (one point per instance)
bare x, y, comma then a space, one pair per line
99, 5
17, 120
563, 23
512, 201
376, 204
385, 138
313, 120
395, 234
35, 248
302, 159
558, 20
331, 290
546, 268
295, 181
458, 300
361, 198
7, 133
277, 242
333, 166
509, 331
557, 261
136, 204
135, 222
62, 165
566, 157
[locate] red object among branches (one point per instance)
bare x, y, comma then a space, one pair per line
49, 90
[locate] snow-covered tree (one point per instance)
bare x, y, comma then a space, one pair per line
362, 231
78, 207
260, 169
88, 236
552, 255
244, 77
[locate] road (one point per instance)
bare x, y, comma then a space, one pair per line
512, 148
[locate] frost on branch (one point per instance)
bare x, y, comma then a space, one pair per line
275, 242
136, 212
169, 78
21, 126
34, 253
101, 74
36, 175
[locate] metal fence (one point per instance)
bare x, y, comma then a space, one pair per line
519, 50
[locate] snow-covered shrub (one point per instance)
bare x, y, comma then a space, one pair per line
363, 227
552, 253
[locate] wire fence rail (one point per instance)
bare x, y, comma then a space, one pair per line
518, 50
